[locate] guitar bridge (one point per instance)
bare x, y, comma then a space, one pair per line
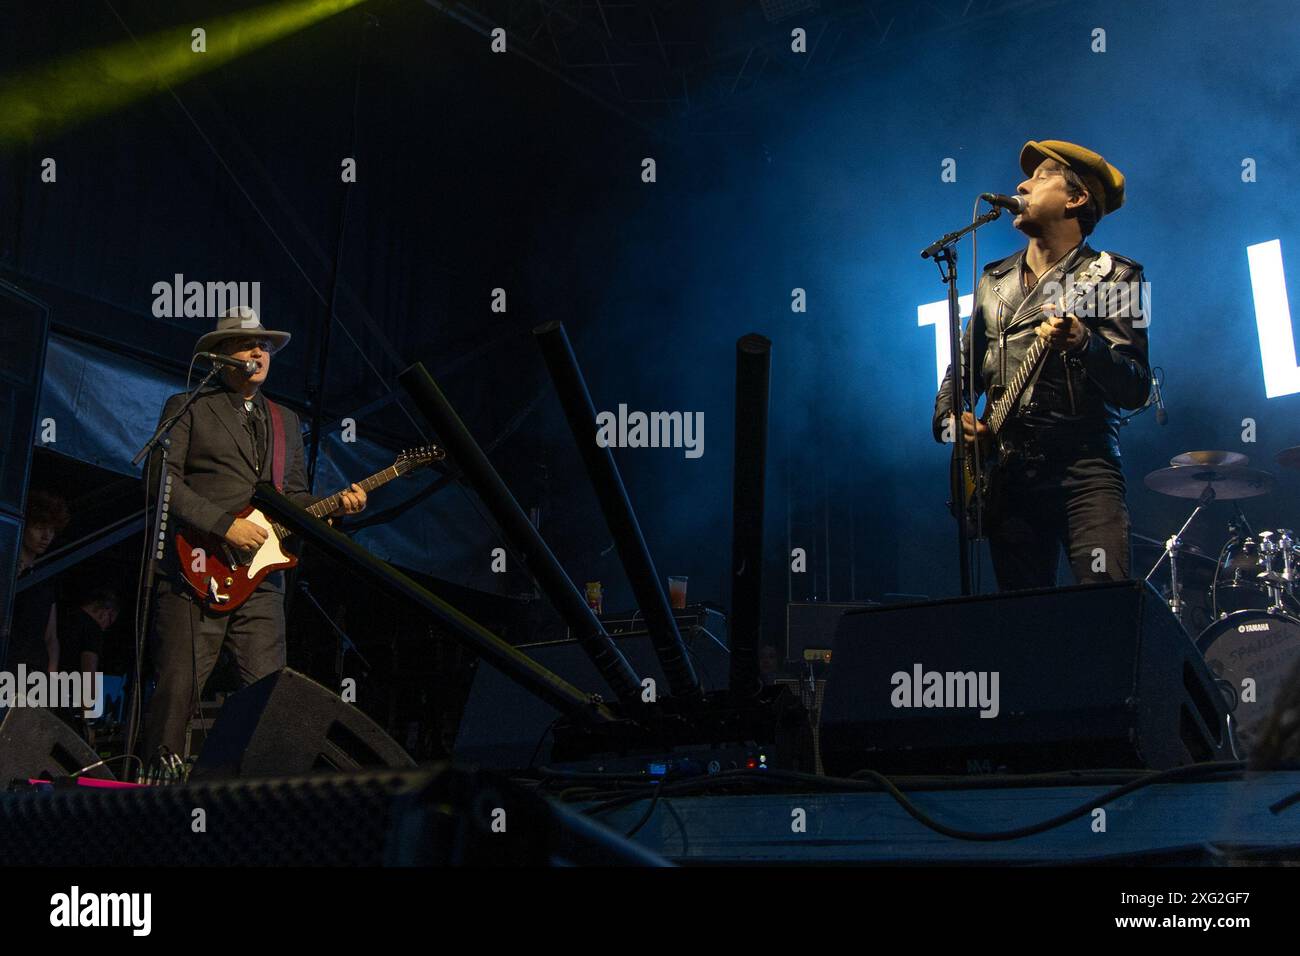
217, 596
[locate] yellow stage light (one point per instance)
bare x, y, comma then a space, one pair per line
96, 82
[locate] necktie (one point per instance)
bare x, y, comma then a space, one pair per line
256, 432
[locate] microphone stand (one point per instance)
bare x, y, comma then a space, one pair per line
944, 252
156, 542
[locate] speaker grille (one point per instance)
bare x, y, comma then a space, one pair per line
320, 821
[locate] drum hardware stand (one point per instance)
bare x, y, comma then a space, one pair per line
1172, 547
1231, 722
1232, 699
1277, 583
1242, 522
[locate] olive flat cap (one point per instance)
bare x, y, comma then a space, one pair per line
1104, 181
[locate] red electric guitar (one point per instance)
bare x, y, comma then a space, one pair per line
223, 577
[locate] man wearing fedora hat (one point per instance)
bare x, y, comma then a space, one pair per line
220, 448
1065, 487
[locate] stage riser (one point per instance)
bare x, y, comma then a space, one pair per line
1188, 823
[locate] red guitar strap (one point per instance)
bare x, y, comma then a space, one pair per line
277, 445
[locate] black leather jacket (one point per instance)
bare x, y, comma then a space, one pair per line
1075, 402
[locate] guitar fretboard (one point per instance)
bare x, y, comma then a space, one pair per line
326, 506
1003, 406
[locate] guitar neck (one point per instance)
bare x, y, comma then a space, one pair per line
327, 506
1004, 406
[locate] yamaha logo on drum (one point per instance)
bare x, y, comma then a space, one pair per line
1243, 628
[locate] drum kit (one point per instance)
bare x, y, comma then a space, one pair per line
1244, 604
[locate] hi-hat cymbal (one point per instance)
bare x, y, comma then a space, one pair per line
1230, 482
1211, 458
1289, 457
1196, 567
1143, 543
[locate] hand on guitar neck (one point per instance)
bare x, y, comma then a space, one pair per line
1063, 333
351, 501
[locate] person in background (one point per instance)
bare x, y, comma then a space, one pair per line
769, 664
34, 634
81, 632
81, 643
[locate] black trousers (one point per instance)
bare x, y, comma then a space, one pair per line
1073, 502
186, 643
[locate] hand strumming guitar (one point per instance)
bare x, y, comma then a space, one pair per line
245, 535
971, 426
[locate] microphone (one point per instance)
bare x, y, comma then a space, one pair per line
1245, 523
1162, 416
1016, 204
248, 368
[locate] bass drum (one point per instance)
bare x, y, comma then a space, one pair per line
1255, 646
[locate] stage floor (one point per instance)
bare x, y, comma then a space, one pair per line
1252, 818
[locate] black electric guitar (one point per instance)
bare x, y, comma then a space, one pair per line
1001, 406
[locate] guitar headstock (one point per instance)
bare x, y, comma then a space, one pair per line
1099, 269
412, 459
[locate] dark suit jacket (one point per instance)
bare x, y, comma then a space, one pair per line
211, 462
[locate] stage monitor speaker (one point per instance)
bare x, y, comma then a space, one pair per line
36, 743
810, 628
505, 727
1086, 677
434, 816
286, 724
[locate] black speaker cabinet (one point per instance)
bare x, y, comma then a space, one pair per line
506, 727
1086, 677
286, 724
810, 628
35, 743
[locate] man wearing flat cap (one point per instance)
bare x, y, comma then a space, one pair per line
222, 446
1064, 486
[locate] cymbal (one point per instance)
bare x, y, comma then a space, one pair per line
1230, 482
1213, 458
1289, 457
1188, 551
1195, 567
